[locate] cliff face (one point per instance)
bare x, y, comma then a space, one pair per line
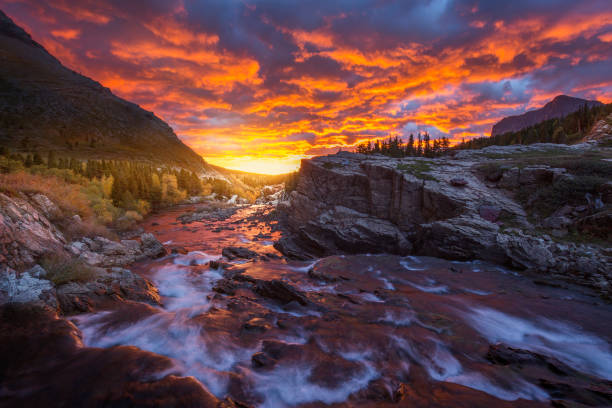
46, 106
560, 106
350, 203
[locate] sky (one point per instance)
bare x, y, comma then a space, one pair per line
258, 85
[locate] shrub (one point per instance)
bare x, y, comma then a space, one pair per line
61, 270
68, 197
418, 169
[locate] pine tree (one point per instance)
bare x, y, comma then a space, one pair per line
51, 161
37, 160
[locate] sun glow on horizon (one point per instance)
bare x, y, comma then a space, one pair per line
259, 165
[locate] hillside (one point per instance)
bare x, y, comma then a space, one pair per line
45, 106
586, 124
559, 107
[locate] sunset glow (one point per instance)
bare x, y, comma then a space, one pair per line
257, 86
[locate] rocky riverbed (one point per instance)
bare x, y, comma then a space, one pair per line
232, 323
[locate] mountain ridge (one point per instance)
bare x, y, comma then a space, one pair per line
559, 106
45, 106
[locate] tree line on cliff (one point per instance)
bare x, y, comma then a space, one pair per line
421, 145
567, 130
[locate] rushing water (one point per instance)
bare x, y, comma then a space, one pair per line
380, 322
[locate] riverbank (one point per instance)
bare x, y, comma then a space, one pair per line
237, 325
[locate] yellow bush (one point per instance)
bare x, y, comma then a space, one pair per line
143, 207
68, 197
170, 191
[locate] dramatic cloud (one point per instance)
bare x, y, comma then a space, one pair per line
257, 85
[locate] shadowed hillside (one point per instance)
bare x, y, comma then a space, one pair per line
45, 106
559, 107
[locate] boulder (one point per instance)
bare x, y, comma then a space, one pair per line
37, 347
26, 233
47, 207
26, 287
280, 291
151, 247
232, 253
458, 182
103, 252
116, 284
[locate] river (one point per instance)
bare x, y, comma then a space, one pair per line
370, 330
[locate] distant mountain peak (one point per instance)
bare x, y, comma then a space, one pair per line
558, 107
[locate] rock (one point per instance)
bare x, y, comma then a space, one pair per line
218, 265
151, 247
232, 253
257, 324
208, 212
26, 288
281, 291
103, 252
262, 360
556, 378
350, 203
556, 222
26, 234
37, 347
48, 207
495, 175
527, 252
225, 287
116, 284
489, 212
598, 224
458, 182
37, 271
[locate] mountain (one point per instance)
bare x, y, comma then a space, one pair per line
45, 106
560, 106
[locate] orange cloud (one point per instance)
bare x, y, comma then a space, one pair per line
256, 87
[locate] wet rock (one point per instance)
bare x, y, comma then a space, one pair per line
80, 376
262, 360
114, 285
560, 381
151, 247
281, 291
219, 265
208, 213
225, 287
458, 182
288, 247
504, 355
232, 253
26, 287
257, 324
